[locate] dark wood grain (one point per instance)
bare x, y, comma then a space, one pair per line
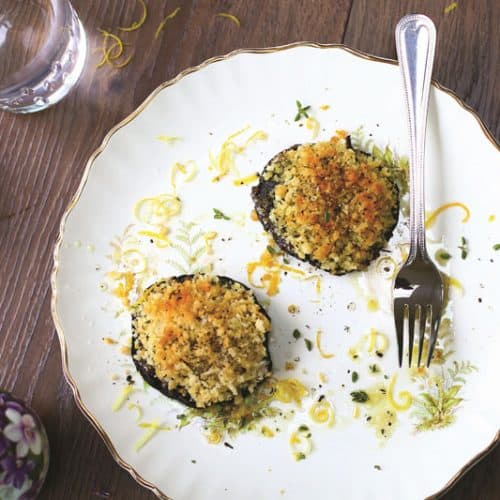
467, 49
42, 158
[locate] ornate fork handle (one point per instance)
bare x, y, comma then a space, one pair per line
415, 41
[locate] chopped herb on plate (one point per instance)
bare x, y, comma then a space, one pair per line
271, 250
296, 334
464, 247
301, 111
359, 396
442, 256
183, 420
354, 377
220, 215
309, 344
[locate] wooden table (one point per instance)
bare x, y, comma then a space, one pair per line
42, 158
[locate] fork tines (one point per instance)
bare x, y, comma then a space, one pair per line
409, 315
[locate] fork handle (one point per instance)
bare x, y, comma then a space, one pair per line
415, 44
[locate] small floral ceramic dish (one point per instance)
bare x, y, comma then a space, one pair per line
24, 450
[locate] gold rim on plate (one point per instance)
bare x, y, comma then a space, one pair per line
83, 182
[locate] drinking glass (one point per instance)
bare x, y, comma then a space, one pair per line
42, 53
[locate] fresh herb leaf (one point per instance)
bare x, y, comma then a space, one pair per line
373, 368
303, 428
327, 216
359, 396
220, 215
377, 467
301, 111
300, 456
271, 250
183, 420
286, 261
464, 247
354, 377
496, 246
442, 256
309, 344
296, 334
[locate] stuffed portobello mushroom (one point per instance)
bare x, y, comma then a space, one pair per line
328, 204
201, 339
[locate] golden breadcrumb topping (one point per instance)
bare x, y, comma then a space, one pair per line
204, 336
332, 204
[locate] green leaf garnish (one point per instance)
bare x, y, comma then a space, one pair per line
359, 396
220, 215
496, 246
301, 111
327, 216
296, 334
442, 256
183, 420
373, 368
464, 247
354, 377
271, 250
309, 344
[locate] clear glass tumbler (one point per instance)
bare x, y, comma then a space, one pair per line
42, 53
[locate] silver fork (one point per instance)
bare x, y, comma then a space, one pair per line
418, 287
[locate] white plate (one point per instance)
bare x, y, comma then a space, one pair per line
204, 106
